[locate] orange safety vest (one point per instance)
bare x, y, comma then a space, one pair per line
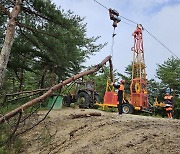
168, 100
169, 109
168, 97
121, 87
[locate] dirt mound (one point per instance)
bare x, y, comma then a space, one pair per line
105, 134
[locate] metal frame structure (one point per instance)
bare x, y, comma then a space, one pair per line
138, 87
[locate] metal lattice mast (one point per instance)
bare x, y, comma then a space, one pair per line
138, 88
138, 68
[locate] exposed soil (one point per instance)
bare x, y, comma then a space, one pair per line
105, 134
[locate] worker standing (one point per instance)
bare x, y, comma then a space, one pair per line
120, 95
169, 101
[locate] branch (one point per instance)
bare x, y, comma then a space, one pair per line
13, 2
35, 30
17, 75
27, 10
4, 10
24, 92
25, 26
35, 13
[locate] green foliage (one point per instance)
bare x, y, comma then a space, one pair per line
4, 129
13, 149
127, 77
160, 112
100, 79
169, 74
6, 145
3, 20
3, 150
155, 90
176, 113
17, 146
13, 144
45, 137
49, 42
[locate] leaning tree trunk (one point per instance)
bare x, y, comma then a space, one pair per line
56, 87
8, 42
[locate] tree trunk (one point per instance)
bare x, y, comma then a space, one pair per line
52, 77
43, 77
21, 80
8, 42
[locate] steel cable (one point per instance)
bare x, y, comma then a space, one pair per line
144, 29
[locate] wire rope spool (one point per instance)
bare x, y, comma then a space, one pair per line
137, 87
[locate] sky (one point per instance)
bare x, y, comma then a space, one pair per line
160, 17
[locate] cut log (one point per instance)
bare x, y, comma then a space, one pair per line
84, 115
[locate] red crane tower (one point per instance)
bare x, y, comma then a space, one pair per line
138, 87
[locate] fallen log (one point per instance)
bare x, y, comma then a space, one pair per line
84, 115
56, 87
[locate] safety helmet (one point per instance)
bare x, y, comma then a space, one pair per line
123, 81
140, 26
168, 90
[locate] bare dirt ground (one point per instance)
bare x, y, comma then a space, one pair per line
105, 134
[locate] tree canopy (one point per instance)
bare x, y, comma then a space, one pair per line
46, 40
169, 74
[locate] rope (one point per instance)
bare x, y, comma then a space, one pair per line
112, 46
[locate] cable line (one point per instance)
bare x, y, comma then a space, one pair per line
128, 19
101, 5
128, 24
144, 29
119, 15
161, 43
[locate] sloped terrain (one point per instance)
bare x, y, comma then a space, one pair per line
105, 134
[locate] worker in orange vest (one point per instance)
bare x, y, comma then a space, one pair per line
169, 101
120, 95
